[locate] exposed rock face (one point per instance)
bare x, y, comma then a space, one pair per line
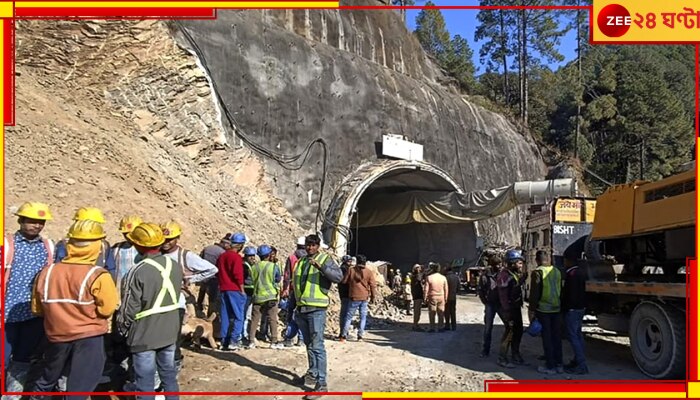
349, 77
113, 114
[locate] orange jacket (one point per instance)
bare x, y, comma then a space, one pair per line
76, 301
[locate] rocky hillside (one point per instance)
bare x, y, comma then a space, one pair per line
113, 114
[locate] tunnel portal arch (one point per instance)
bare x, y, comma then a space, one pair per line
387, 176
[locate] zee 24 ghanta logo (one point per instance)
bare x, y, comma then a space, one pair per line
614, 20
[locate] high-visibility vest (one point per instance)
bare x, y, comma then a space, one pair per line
307, 283
167, 288
248, 283
550, 302
263, 274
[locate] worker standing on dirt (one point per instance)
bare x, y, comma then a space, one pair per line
397, 281
265, 329
288, 292
573, 304
266, 277
406, 295
545, 305
125, 253
362, 287
417, 282
76, 299
233, 298
435, 294
210, 287
105, 258
249, 259
25, 254
344, 294
510, 295
451, 305
125, 256
148, 316
488, 294
194, 269
313, 278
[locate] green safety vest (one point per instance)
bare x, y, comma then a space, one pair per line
550, 302
263, 274
167, 288
248, 283
307, 283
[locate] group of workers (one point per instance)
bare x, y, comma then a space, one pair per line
80, 312
76, 311
552, 292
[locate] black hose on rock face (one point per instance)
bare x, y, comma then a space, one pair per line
288, 162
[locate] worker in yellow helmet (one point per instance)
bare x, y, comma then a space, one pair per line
125, 258
194, 269
105, 258
76, 299
25, 254
125, 253
148, 316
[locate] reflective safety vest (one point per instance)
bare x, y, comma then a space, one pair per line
307, 283
248, 282
166, 289
263, 274
550, 302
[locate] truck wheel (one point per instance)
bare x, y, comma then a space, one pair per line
657, 339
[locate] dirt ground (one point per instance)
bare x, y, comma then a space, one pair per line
393, 358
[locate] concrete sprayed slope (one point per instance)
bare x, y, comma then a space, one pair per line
350, 76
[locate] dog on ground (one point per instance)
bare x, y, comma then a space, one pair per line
197, 328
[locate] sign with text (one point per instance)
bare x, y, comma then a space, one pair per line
634, 21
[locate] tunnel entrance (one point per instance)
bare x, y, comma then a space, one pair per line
364, 195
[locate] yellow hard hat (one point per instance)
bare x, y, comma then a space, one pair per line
89, 214
146, 235
128, 223
34, 211
86, 230
171, 229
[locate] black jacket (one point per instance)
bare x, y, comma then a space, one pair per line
574, 291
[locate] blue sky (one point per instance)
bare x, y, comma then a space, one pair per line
464, 22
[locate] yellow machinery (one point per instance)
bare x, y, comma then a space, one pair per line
636, 256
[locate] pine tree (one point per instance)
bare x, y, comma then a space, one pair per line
538, 37
495, 29
432, 32
458, 63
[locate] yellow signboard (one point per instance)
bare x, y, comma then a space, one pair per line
568, 210
590, 210
635, 21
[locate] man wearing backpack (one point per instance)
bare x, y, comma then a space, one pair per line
488, 294
194, 269
25, 253
148, 316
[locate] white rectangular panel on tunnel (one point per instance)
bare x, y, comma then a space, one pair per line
395, 146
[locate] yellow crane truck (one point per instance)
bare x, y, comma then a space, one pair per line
634, 241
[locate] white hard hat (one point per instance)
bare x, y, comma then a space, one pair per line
301, 241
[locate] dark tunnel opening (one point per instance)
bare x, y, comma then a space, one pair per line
405, 244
